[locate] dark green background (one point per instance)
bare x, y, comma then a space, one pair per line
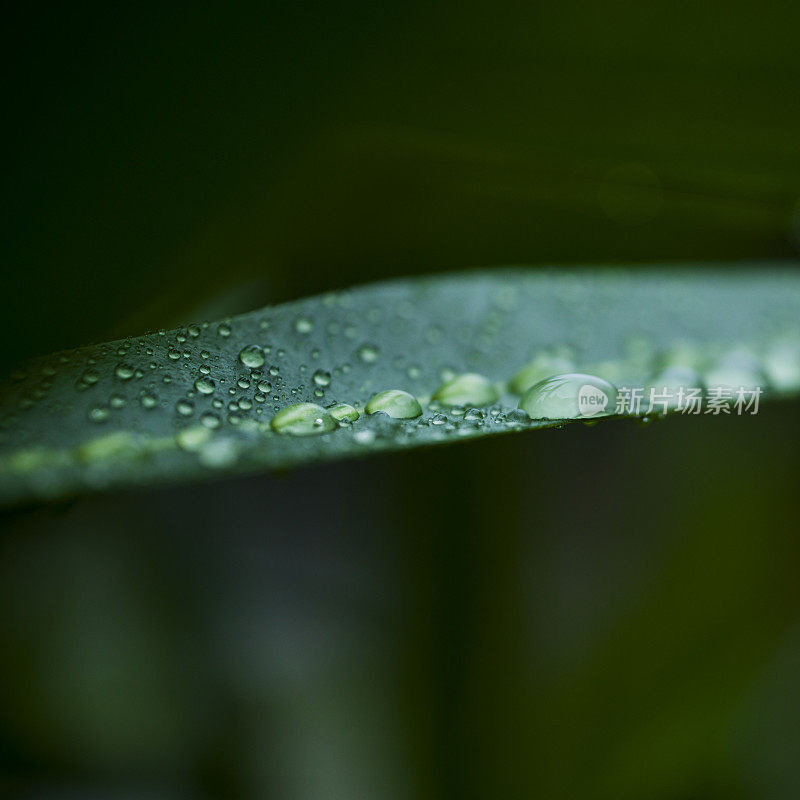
597, 613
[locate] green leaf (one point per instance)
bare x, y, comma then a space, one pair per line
179, 405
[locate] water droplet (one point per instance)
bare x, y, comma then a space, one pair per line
368, 353
467, 389
570, 396
396, 403
516, 417
224, 329
210, 420
90, 377
322, 378
99, 413
343, 412
149, 400
252, 356
184, 407
204, 385
174, 354
303, 419
303, 325
264, 386
194, 438
124, 371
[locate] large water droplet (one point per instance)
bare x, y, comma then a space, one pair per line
396, 403
343, 412
570, 396
303, 419
252, 356
468, 389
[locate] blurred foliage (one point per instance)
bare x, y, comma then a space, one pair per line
604, 613
167, 162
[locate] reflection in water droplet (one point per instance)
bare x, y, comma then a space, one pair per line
467, 389
570, 396
396, 403
303, 419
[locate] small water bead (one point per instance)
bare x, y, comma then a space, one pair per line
413, 371
245, 403
184, 407
243, 383
473, 415
210, 420
204, 354
174, 354
252, 356
99, 413
149, 400
90, 376
303, 419
264, 386
192, 439
467, 389
396, 403
343, 412
438, 419
303, 326
516, 417
205, 385
543, 366
368, 353
570, 396
124, 371
274, 371
194, 330
322, 378
117, 401
224, 330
